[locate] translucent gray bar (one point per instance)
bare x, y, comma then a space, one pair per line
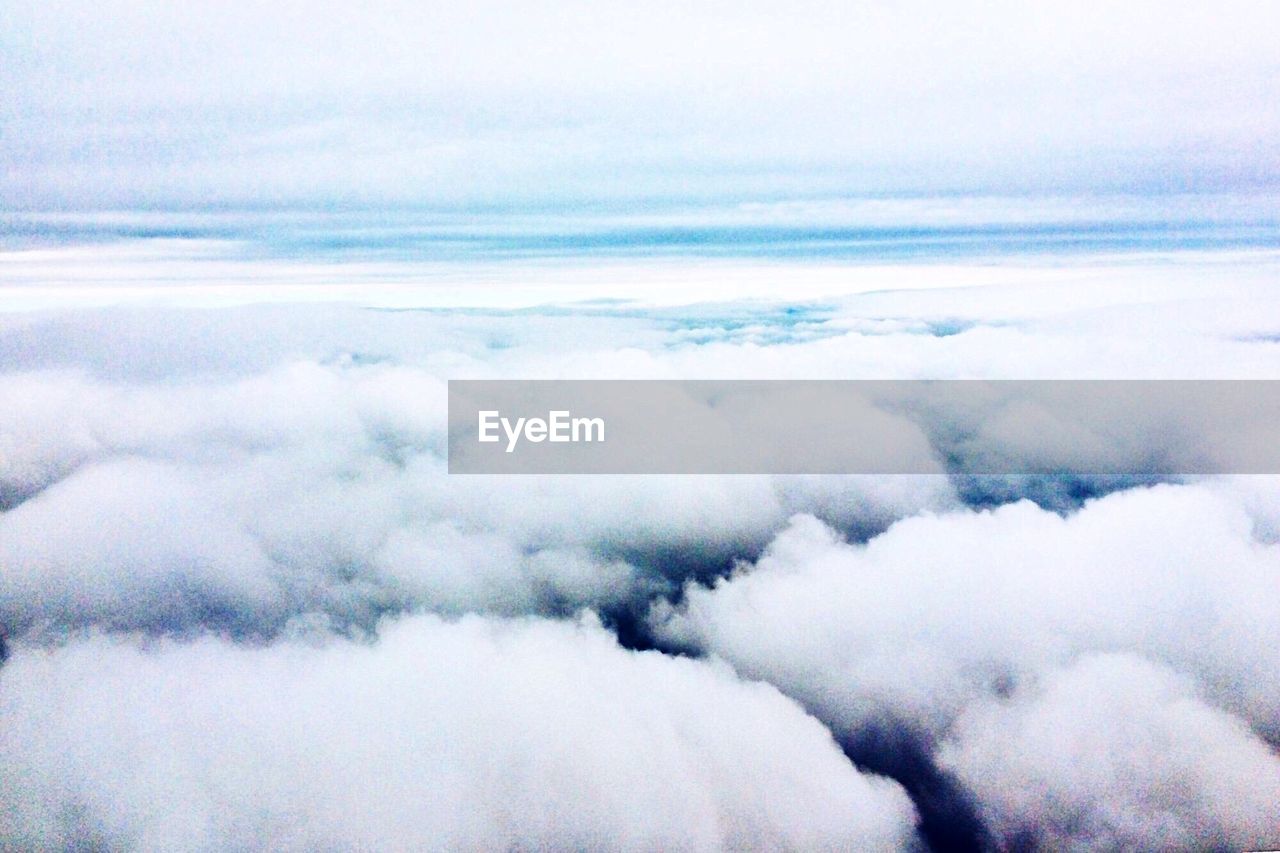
980, 427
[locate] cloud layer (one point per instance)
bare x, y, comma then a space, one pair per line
244, 605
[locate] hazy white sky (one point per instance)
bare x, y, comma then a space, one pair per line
110, 103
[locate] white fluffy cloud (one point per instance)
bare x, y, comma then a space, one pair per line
239, 503
448, 735
941, 609
928, 625
1114, 752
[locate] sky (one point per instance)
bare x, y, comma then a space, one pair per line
243, 605
113, 104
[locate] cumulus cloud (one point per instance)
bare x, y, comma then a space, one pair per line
449, 735
942, 609
1115, 752
914, 638
920, 634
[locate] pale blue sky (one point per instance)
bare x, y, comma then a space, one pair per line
109, 103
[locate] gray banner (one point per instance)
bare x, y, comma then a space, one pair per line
980, 427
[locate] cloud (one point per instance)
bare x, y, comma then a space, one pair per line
125, 544
238, 504
238, 519
1113, 752
450, 735
864, 632
915, 639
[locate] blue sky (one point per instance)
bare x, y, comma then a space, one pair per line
117, 104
